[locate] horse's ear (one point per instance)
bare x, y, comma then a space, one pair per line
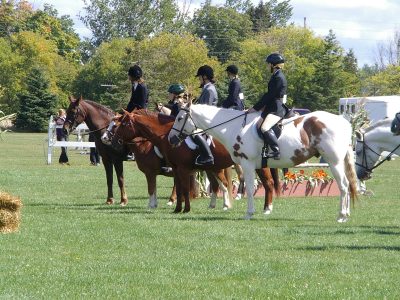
359, 135
71, 99
125, 111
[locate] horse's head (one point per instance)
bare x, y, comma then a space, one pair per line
395, 127
75, 115
365, 157
107, 136
123, 130
183, 126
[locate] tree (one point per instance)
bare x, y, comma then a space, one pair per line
37, 104
386, 82
270, 14
222, 28
138, 19
165, 59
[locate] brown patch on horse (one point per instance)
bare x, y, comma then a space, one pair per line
312, 130
298, 121
314, 127
236, 147
239, 139
242, 155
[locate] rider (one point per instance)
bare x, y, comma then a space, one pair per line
140, 94
235, 101
272, 104
176, 97
235, 96
208, 96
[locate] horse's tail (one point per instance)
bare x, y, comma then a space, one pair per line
277, 184
228, 176
350, 172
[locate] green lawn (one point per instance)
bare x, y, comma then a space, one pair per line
71, 245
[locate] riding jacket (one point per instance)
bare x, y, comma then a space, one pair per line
208, 95
272, 100
234, 95
139, 97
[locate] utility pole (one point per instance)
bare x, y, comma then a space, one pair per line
305, 22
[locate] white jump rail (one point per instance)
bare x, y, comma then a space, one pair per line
52, 140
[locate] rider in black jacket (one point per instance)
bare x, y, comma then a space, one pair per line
235, 95
140, 94
272, 104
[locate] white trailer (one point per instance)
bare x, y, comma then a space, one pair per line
377, 107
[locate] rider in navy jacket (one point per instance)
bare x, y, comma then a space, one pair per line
140, 94
272, 105
235, 95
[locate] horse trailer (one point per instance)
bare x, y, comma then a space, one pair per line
377, 107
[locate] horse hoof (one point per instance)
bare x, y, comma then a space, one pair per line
267, 212
169, 203
123, 203
110, 201
225, 208
248, 216
211, 206
342, 219
177, 211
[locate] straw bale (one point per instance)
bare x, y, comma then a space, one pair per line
10, 216
9, 202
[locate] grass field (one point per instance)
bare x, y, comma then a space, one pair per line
72, 246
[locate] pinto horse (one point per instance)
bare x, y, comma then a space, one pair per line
371, 143
156, 127
317, 133
97, 117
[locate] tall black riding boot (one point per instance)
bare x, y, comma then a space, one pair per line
205, 157
272, 141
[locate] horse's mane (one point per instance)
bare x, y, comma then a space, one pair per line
162, 118
100, 107
377, 124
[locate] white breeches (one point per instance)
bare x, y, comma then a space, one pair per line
269, 121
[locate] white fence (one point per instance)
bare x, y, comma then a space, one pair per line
52, 140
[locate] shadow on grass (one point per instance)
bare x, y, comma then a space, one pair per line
350, 247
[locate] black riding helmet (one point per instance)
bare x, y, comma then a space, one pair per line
206, 71
274, 59
232, 69
135, 72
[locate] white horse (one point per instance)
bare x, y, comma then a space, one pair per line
371, 143
317, 133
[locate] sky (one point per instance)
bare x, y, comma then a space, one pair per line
360, 25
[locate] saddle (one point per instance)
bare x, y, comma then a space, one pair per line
277, 128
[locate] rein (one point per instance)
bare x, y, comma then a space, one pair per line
182, 136
364, 156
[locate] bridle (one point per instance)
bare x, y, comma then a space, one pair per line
181, 135
73, 123
364, 161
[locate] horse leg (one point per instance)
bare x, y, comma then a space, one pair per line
240, 189
224, 177
185, 185
214, 189
173, 196
249, 176
340, 177
152, 189
109, 176
268, 185
179, 194
119, 170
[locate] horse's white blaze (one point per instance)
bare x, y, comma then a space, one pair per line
302, 137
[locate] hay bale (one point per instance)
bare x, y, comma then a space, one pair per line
10, 216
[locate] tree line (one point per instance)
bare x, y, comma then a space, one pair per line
43, 60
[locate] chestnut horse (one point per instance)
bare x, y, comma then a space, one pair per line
97, 117
156, 127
